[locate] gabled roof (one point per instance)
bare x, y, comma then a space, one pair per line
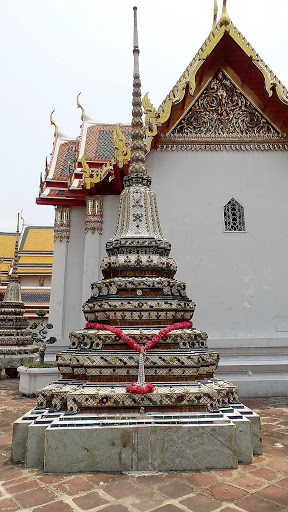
227, 48
101, 166
63, 176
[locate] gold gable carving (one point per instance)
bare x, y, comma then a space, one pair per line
222, 115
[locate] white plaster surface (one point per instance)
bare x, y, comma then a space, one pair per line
236, 279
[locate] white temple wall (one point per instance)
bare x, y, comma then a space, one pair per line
67, 277
33, 281
237, 279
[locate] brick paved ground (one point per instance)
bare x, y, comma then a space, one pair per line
259, 487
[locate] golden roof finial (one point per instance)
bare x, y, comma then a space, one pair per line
53, 122
80, 106
215, 14
224, 20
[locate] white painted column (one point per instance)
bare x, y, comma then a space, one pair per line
93, 239
72, 315
59, 271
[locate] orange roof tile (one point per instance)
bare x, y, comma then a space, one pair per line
99, 144
65, 159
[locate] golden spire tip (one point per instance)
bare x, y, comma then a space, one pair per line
224, 19
53, 123
215, 13
80, 106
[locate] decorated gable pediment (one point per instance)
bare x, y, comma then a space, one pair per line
223, 116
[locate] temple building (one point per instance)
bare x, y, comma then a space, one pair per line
216, 152
36, 246
104, 414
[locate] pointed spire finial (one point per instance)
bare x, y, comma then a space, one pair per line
224, 20
22, 218
80, 106
53, 123
215, 14
137, 164
14, 273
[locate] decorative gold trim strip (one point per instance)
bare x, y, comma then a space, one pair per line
222, 144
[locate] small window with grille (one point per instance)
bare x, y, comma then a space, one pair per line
234, 219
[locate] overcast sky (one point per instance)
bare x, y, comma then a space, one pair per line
53, 49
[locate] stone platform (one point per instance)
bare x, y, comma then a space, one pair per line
61, 442
261, 485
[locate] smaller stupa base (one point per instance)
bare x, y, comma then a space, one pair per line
63, 443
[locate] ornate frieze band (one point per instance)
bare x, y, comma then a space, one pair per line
220, 145
94, 214
62, 223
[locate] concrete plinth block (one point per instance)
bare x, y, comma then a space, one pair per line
254, 418
244, 439
256, 433
20, 433
193, 447
85, 449
141, 448
36, 440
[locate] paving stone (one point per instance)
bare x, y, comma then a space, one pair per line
279, 465
200, 503
24, 486
7, 505
175, 490
267, 474
56, 506
90, 500
120, 491
256, 504
35, 497
73, 486
97, 478
283, 483
8, 473
168, 508
150, 479
226, 492
275, 493
230, 509
226, 473
115, 508
153, 503
201, 479
247, 483
51, 479
15, 481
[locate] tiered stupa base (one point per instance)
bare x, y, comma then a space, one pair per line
194, 441
88, 421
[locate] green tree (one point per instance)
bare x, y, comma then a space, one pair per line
40, 334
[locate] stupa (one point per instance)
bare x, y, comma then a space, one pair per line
16, 342
138, 390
